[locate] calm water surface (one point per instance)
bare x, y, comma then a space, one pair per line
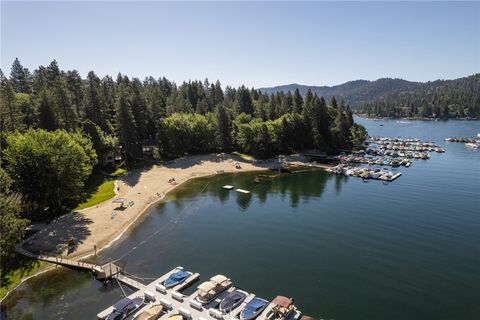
342, 248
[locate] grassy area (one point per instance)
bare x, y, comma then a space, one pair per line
100, 187
103, 192
118, 172
13, 277
243, 155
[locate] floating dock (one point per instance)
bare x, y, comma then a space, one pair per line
174, 302
365, 173
153, 292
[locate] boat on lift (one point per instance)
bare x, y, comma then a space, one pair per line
253, 308
176, 278
232, 300
124, 308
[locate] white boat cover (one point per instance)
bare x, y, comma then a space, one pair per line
206, 287
219, 279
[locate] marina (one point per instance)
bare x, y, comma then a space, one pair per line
174, 303
163, 298
365, 173
461, 139
384, 152
404, 144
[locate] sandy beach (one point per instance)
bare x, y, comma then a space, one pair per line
96, 227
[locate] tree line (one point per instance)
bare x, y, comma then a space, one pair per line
196, 116
458, 98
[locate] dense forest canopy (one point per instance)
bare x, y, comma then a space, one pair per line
400, 98
439, 99
193, 117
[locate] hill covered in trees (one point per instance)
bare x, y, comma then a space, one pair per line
400, 98
458, 98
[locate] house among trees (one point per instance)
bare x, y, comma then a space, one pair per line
148, 147
112, 158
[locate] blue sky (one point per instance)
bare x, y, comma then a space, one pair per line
253, 43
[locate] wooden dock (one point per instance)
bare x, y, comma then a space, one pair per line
102, 272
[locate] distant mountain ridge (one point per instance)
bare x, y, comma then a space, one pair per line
359, 92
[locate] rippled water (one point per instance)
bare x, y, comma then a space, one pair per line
344, 249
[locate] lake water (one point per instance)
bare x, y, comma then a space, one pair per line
344, 249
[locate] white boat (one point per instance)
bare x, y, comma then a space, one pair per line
243, 191
149, 312
228, 187
473, 145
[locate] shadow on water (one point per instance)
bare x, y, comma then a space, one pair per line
48, 288
286, 184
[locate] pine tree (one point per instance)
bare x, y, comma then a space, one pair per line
52, 73
139, 108
9, 114
333, 102
63, 101
20, 77
244, 99
74, 85
127, 128
94, 103
297, 101
224, 128
46, 116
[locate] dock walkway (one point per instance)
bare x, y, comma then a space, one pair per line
174, 302
103, 272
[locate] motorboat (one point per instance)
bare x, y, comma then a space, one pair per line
283, 309
124, 308
209, 290
175, 317
176, 278
149, 312
472, 145
253, 308
233, 300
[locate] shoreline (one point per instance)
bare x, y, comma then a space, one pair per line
416, 118
103, 237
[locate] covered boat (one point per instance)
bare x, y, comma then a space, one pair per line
209, 290
125, 307
176, 278
283, 309
233, 300
253, 308
149, 312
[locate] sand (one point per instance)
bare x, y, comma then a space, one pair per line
96, 227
